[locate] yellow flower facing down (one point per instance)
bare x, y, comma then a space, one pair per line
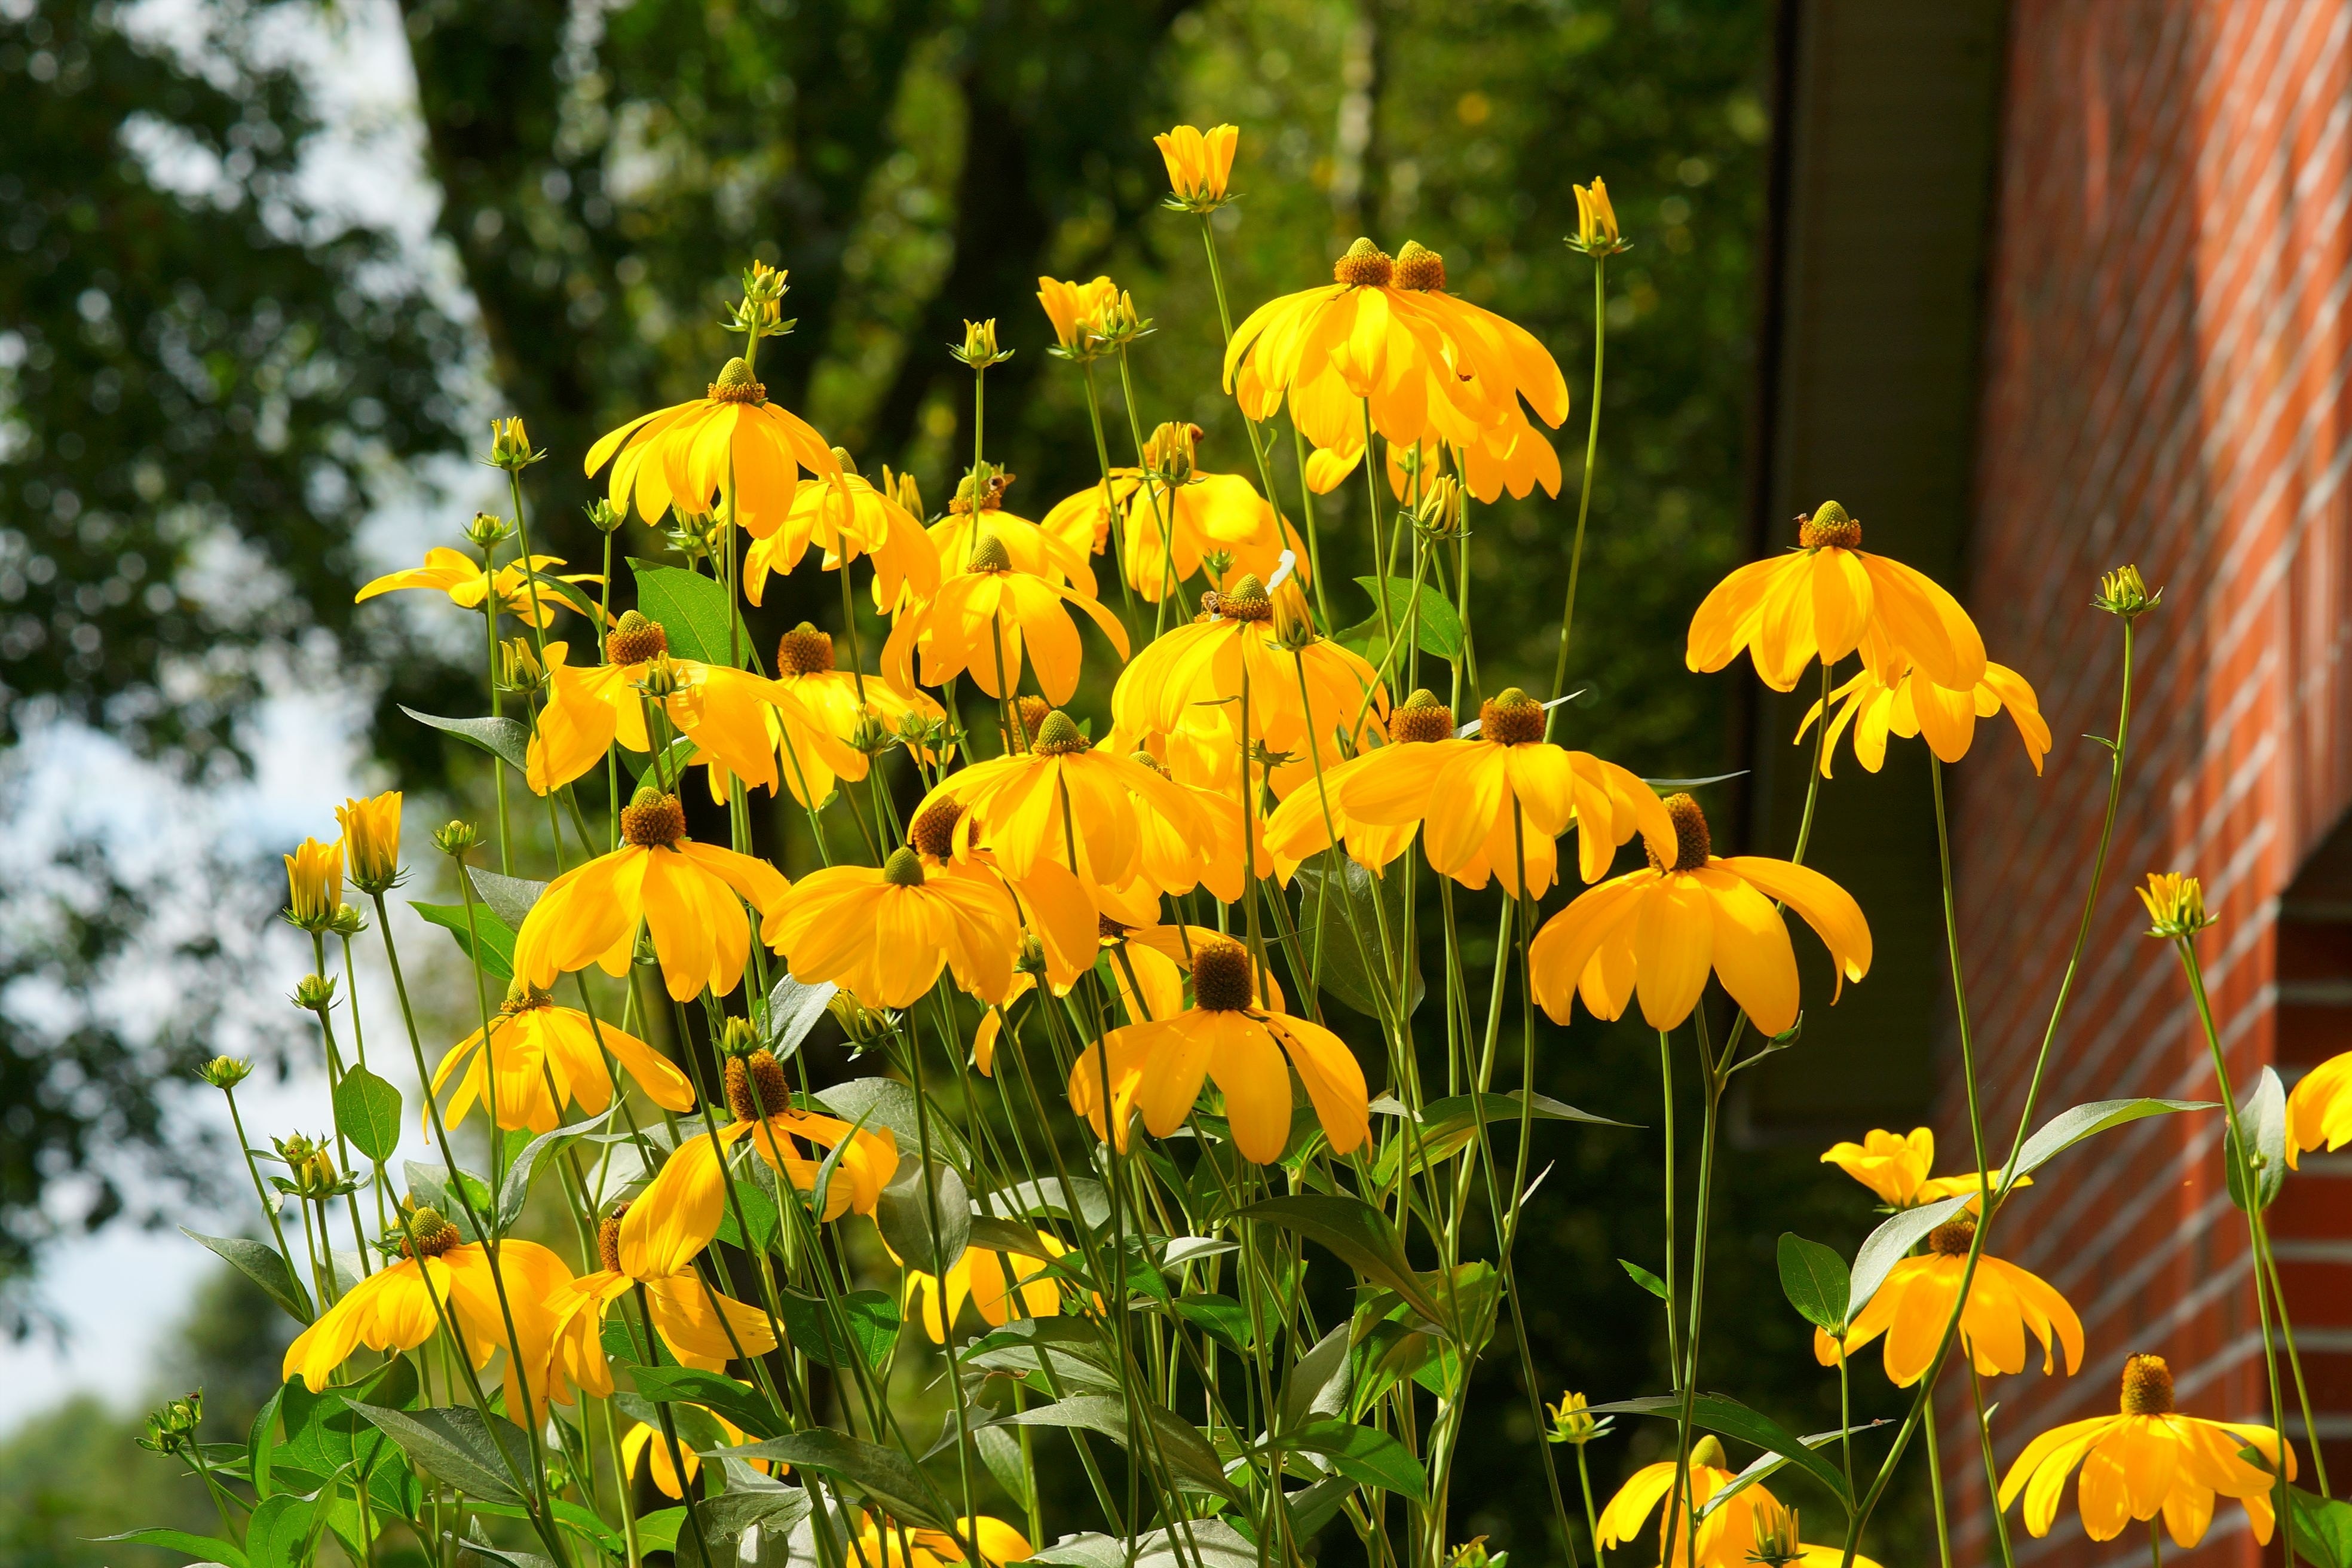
463, 579
372, 840
1895, 1167
1657, 934
652, 1445
846, 708
314, 884
731, 445
1914, 706
982, 621
548, 1057
1508, 454
1164, 533
1199, 163
684, 893
2148, 1459
2005, 1303
679, 1213
1828, 598
845, 517
1302, 825
702, 1328
881, 1543
883, 933
1727, 1537
1001, 1286
1028, 546
1157, 1067
395, 1309
1077, 310
2319, 1108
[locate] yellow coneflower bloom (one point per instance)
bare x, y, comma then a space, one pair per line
1895, 1167
980, 1277
1508, 455
2148, 1459
1659, 932
701, 1326
2319, 1108
1302, 823
394, 1308
462, 578
314, 883
1207, 512
883, 934
1027, 546
1727, 1537
982, 620
844, 706
684, 893
1915, 705
845, 517
548, 1057
2005, 1302
679, 1213
1828, 598
880, 1544
689, 453
1200, 162
1075, 309
1495, 801
372, 839
1157, 1067
649, 1443
1174, 857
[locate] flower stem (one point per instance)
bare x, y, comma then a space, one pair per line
1584, 499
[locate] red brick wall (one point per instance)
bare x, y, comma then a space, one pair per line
2166, 359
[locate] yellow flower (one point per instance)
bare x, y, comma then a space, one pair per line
467, 584
1208, 512
1596, 221
1659, 932
372, 839
314, 884
548, 1056
1726, 1536
1828, 598
1077, 310
1506, 455
395, 1309
2319, 1110
982, 620
732, 443
1028, 547
2176, 903
883, 933
1200, 162
1914, 705
1896, 1168
1496, 801
1914, 1302
651, 1444
684, 892
981, 1276
846, 517
2146, 1459
881, 1543
1157, 1067
832, 697
679, 1213
700, 1327
510, 446
1302, 823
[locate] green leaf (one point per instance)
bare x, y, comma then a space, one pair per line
204, 1548
1335, 909
752, 1498
1084, 1200
692, 610
794, 1008
1362, 1236
870, 1317
264, 1266
1001, 1451
367, 1112
516, 1192
323, 1434
487, 939
652, 767
1191, 1463
927, 1223
2323, 1529
261, 1443
738, 1402
1451, 1125
1814, 1279
430, 1184
1721, 1413
886, 1475
886, 1102
573, 592
510, 898
1643, 1277
454, 1445
1768, 1464
275, 1535
505, 739
1438, 629
1319, 1382
1362, 1454
2262, 1116
1067, 1353
1220, 1317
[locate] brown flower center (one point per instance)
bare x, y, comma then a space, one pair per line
608, 1237
934, 830
1693, 844
1366, 265
1030, 711
1420, 267
1057, 737
1109, 930
1953, 1237
2147, 1386
991, 500
653, 820
1829, 526
804, 651
524, 998
736, 383
1421, 718
758, 1071
1245, 601
1221, 976
1511, 718
636, 639
429, 1236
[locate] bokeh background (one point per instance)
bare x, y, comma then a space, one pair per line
268, 270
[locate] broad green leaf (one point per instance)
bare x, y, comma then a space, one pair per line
1339, 916
1191, 1463
261, 1444
275, 1535
1721, 1413
1643, 1277
794, 1008
756, 1198
738, 1402
264, 1266
1438, 628
1068, 1354
999, 1451
654, 767
323, 1434
871, 1318
926, 1222
1362, 1454
204, 1548
2262, 1116
1220, 1317
885, 1102
751, 1499
367, 1112
430, 1184
510, 898
1319, 1382
692, 610
1362, 1236
2323, 1529
1083, 1200
487, 939
516, 1192
1814, 1279
990, 1233
886, 1475
1197, 1544
454, 1445
505, 739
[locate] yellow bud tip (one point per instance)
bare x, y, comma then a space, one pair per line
848, 464
1365, 266
903, 870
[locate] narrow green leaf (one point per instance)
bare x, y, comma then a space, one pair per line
1191, 1462
740, 1403
1643, 1277
510, 898
886, 1475
505, 739
1362, 1454
886, 1102
1339, 911
1720, 1413
516, 1192
1814, 1279
204, 1548
264, 1266
367, 1112
487, 939
1362, 1236
794, 1008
